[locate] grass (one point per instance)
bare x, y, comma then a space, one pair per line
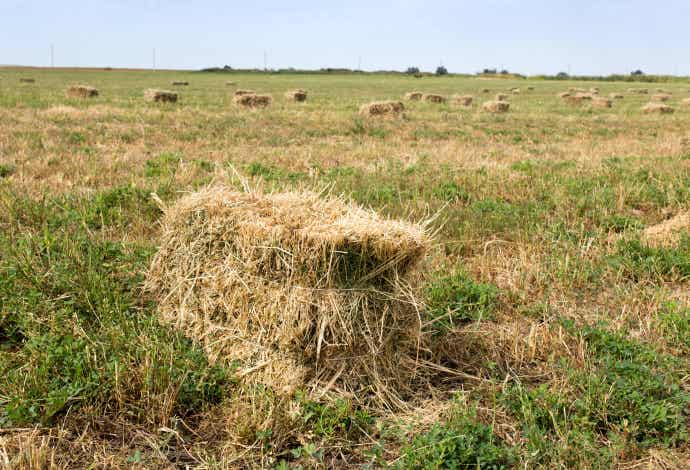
570, 337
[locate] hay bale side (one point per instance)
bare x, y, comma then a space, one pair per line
462, 100
496, 106
298, 95
252, 100
578, 98
180, 83
414, 96
305, 292
601, 103
160, 96
244, 92
433, 98
661, 97
657, 108
81, 91
382, 108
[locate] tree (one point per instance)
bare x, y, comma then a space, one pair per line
441, 70
562, 76
412, 70
637, 72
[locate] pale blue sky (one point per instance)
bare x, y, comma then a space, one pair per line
528, 36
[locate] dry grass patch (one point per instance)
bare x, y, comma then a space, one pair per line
160, 96
382, 108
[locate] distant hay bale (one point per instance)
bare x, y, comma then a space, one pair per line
305, 292
486, 90
433, 98
382, 108
601, 103
244, 92
414, 96
160, 96
638, 91
298, 95
578, 98
497, 106
661, 97
530, 88
616, 96
180, 83
667, 234
657, 108
27, 80
501, 97
577, 90
565, 94
462, 100
661, 90
594, 91
515, 91
230, 83
81, 91
252, 100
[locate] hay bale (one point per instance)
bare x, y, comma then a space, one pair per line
601, 103
657, 108
593, 91
661, 90
160, 96
486, 90
414, 96
496, 106
230, 83
252, 100
433, 98
577, 90
298, 95
530, 88
616, 96
303, 292
638, 91
244, 92
27, 80
501, 97
81, 91
685, 102
667, 234
382, 108
661, 97
462, 100
180, 83
565, 94
515, 91
578, 98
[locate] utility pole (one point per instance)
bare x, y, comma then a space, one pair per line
52, 56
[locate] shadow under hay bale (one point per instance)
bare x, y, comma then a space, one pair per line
81, 91
298, 95
304, 292
657, 108
462, 100
180, 83
414, 96
433, 98
496, 106
251, 100
160, 96
382, 108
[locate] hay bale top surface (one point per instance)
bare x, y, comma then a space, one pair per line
433, 98
414, 95
252, 100
160, 96
244, 92
657, 108
382, 108
81, 91
496, 106
667, 234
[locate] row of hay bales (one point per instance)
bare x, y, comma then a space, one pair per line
577, 96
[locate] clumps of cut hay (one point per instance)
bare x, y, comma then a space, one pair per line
298, 95
661, 97
638, 91
657, 108
463, 100
302, 290
414, 96
180, 83
244, 92
616, 96
27, 80
496, 106
81, 91
160, 96
252, 100
433, 98
577, 90
382, 108
668, 233
601, 103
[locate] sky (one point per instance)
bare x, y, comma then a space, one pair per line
525, 36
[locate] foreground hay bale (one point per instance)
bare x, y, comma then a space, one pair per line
414, 96
160, 96
593, 91
462, 100
496, 106
501, 97
81, 91
433, 98
298, 95
667, 234
661, 97
27, 80
601, 103
180, 83
252, 100
657, 108
244, 92
305, 292
382, 108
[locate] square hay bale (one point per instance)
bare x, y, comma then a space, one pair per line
298, 95
382, 108
661, 97
81, 91
244, 92
433, 98
501, 97
578, 98
616, 96
160, 96
657, 108
180, 83
462, 100
601, 103
253, 100
27, 80
305, 292
414, 96
496, 106
638, 91
530, 88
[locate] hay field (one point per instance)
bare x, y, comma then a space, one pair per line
557, 290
